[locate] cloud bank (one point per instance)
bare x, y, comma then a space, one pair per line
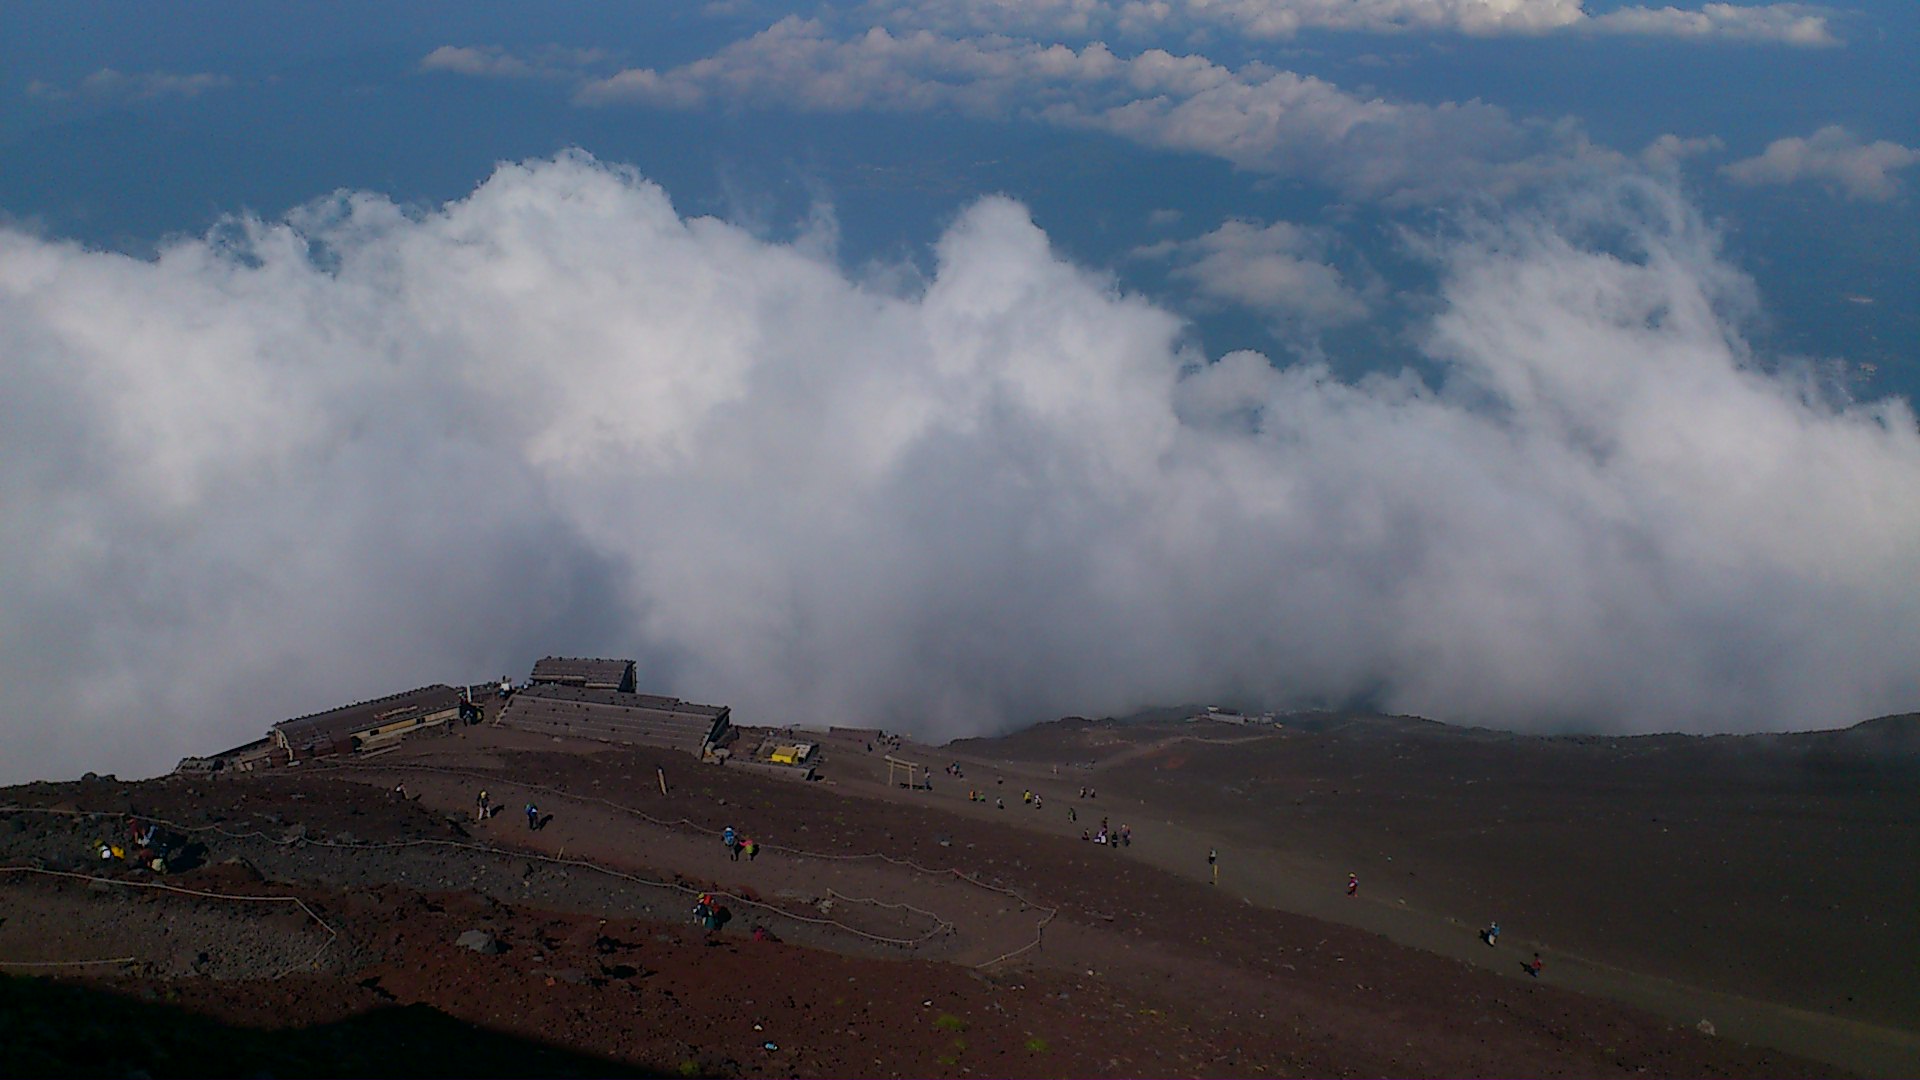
497, 62
111, 86
1785, 24
294, 464
1279, 270
1257, 117
1833, 157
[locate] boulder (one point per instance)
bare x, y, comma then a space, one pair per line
481, 942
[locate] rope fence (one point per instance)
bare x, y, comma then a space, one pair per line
68, 963
942, 925
690, 824
333, 935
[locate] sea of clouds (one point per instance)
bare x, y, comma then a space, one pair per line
293, 464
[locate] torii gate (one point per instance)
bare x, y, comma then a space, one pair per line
913, 769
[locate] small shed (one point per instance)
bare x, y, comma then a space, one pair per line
588, 674
791, 753
366, 725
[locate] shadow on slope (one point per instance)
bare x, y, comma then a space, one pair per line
51, 1028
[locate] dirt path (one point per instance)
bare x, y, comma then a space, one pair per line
1295, 881
990, 926
985, 925
1151, 972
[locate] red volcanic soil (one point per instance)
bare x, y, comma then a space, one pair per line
923, 933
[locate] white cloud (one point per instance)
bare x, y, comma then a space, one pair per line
1833, 156
1785, 23
297, 464
108, 85
472, 60
495, 62
1256, 117
1279, 270
1081, 19
1667, 151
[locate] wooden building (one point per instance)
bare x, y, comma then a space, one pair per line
617, 717
367, 725
583, 673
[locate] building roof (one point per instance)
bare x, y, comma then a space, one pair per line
321, 732
575, 671
613, 716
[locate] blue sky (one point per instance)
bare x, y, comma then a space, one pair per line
205, 110
1535, 363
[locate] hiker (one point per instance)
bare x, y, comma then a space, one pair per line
482, 807
1126, 836
1026, 796
1036, 802
533, 817
400, 791
1072, 815
1491, 934
1353, 885
761, 933
1533, 969
999, 803
1084, 836
753, 849
1083, 793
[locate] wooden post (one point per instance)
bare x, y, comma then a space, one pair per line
662, 773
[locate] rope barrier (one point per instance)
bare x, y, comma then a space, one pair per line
697, 827
942, 925
1038, 936
668, 822
68, 963
332, 934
